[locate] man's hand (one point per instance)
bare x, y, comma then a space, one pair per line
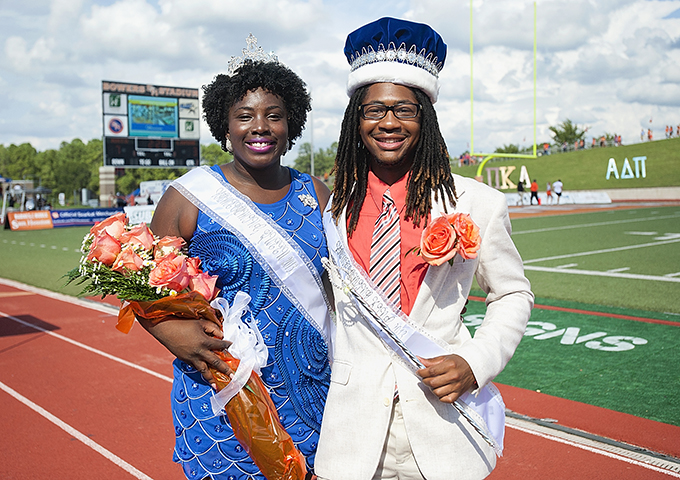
193, 342
448, 376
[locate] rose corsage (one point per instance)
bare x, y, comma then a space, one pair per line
447, 236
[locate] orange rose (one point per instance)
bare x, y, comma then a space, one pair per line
192, 266
167, 245
468, 235
204, 284
139, 235
114, 226
128, 260
104, 248
170, 272
438, 241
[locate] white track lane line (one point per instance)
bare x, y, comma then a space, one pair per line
76, 434
592, 450
89, 349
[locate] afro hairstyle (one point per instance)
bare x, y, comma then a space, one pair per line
225, 91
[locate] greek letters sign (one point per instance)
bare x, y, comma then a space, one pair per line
639, 171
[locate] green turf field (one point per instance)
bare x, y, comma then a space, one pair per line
623, 365
41, 257
619, 258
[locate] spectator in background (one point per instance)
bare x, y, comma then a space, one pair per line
670, 131
548, 194
520, 193
534, 193
576, 145
557, 188
649, 134
582, 144
546, 149
594, 143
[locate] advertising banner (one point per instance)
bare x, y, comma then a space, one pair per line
81, 218
34, 220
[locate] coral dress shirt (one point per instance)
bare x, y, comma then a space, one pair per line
413, 268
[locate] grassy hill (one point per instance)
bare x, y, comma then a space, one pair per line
587, 169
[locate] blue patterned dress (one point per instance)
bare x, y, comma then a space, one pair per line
297, 374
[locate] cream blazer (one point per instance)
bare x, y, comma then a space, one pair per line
364, 374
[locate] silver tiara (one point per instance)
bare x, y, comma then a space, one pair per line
251, 52
394, 54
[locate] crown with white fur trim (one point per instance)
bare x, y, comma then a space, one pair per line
395, 51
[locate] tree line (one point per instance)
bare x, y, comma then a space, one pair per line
75, 165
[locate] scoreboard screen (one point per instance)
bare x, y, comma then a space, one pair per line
150, 126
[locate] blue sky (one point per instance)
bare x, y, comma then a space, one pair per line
610, 65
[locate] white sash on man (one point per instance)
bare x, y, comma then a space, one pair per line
485, 410
282, 258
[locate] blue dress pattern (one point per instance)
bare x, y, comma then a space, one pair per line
297, 373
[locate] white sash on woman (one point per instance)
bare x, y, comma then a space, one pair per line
282, 258
485, 411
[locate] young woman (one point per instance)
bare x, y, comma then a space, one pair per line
256, 113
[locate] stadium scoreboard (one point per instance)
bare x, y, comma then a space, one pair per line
150, 126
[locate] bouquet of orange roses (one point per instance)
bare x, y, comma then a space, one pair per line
447, 236
152, 276
157, 281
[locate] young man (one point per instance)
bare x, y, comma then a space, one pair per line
401, 353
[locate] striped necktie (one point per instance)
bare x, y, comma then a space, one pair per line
385, 251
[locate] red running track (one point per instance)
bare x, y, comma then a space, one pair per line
80, 400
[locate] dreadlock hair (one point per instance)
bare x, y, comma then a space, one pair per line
430, 171
220, 95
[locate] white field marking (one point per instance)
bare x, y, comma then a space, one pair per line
606, 250
567, 265
76, 434
668, 236
53, 247
592, 446
647, 234
617, 270
676, 274
598, 224
594, 273
91, 349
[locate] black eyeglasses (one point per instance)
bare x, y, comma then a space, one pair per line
377, 111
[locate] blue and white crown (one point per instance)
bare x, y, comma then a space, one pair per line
395, 51
251, 52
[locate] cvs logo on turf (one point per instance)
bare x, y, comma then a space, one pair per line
571, 335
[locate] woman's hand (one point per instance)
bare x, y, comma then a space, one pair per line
193, 342
448, 376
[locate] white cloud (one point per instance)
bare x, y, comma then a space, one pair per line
607, 64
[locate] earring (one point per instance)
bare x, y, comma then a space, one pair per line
226, 145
